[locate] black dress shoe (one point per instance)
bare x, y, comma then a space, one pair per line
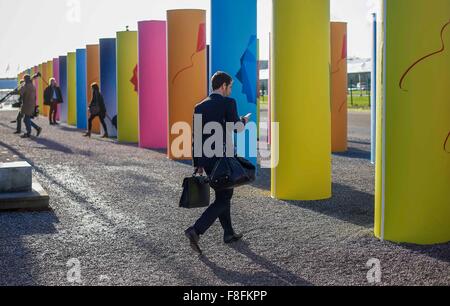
233, 238
25, 136
38, 132
17, 132
194, 238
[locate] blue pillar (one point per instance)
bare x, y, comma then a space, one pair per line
81, 89
63, 86
108, 82
374, 92
234, 50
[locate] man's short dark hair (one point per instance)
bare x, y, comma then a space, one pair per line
27, 78
220, 78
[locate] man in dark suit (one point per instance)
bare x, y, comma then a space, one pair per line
220, 109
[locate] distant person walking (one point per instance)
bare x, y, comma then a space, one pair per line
217, 108
28, 94
53, 97
97, 108
19, 118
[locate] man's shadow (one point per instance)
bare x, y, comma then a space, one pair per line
273, 276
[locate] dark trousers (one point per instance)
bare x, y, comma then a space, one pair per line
19, 122
221, 208
102, 120
53, 112
29, 123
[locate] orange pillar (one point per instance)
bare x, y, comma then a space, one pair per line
186, 30
92, 75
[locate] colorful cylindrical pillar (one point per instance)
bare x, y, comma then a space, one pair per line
63, 86
40, 96
339, 88
44, 79
36, 84
108, 81
72, 88
413, 150
57, 78
186, 32
373, 92
127, 87
152, 68
92, 76
302, 167
234, 50
81, 89
49, 75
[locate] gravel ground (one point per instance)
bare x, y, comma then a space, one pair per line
114, 209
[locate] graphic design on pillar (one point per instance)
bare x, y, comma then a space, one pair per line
410, 68
134, 79
343, 55
201, 45
248, 69
441, 50
342, 59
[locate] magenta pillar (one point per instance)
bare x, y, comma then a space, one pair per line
152, 70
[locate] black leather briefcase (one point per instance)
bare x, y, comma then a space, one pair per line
196, 192
232, 172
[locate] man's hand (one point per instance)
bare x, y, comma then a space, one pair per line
200, 170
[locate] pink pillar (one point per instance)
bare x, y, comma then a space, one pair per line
56, 76
152, 70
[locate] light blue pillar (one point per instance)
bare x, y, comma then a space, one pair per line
374, 93
81, 89
234, 50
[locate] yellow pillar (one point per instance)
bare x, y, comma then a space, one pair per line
72, 88
49, 75
301, 100
413, 161
127, 95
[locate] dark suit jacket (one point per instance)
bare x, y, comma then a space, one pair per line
48, 95
215, 108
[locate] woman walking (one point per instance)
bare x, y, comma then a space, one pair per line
97, 108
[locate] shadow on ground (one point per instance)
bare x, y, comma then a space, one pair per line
274, 275
347, 204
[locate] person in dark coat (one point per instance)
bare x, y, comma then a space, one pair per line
28, 94
53, 97
217, 108
97, 108
19, 118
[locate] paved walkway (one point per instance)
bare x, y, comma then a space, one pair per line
114, 211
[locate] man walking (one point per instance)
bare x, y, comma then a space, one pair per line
217, 108
28, 94
53, 97
19, 118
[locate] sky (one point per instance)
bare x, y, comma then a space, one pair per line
34, 31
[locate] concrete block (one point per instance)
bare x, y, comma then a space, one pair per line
16, 177
37, 199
